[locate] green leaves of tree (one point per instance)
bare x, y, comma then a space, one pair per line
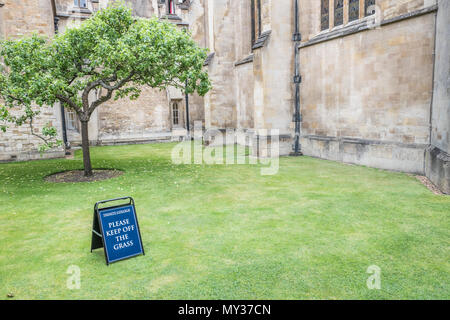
112, 51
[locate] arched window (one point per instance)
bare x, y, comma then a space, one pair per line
325, 15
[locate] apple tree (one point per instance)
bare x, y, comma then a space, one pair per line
113, 52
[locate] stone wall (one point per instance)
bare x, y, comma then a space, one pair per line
221, 106
143, 8
195, 16
438, 155
137, 119
310, 12
18, 144
440, 136
273, 75
19, 19
365, 97
252, 89
243, 70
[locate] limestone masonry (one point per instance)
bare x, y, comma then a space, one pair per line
370, 79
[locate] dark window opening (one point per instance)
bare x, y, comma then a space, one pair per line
171, 7
325, 15
71, 120
353, 10
175, 114
80, 3
338, 12
256, 19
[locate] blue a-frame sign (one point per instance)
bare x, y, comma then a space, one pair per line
116, 229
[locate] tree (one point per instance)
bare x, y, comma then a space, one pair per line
113, 52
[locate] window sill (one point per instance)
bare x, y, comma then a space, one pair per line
362, 24
184, 6
335, 28
337, 32
248, 59
80, 10
171, 17
209, 59
262, 40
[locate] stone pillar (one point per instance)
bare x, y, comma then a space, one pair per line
437, 161
273, 69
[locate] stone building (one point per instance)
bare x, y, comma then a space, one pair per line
358, 81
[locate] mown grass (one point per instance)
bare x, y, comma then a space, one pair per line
225, 232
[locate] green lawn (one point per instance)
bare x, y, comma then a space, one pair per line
225, 232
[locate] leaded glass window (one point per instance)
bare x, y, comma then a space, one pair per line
338, 12
353, 10
80, 3
71, 120
175, 114
369, 7
256, 19
325, 19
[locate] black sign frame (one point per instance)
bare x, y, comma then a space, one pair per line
98, 241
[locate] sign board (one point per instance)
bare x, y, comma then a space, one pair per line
116, 230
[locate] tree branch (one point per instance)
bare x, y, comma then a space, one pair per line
70, 103
37, 135
99, 101
119, 84
88, 89
110, 89
16, 99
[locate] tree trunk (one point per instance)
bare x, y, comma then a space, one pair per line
85, 145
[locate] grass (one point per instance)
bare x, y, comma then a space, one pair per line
225, 232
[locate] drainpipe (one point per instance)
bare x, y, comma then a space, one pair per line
430, 141
297, 80
187, 113
188, 129
63, 115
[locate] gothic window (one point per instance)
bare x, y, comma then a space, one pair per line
175, 114
252, 18
80, 3
256, 19
369, 7
338, 12
325, 15
353, 10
